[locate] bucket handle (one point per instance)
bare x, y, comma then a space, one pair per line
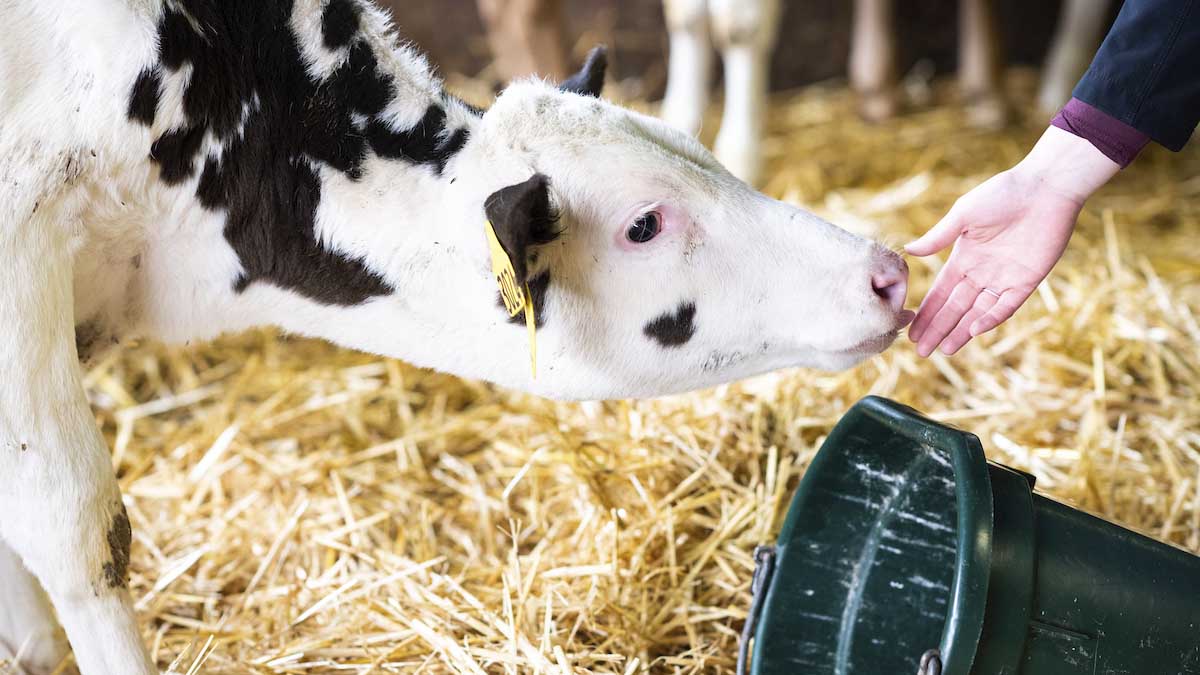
764, 568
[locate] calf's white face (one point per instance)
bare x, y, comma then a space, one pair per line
653, 269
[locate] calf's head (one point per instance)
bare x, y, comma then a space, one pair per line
652, 269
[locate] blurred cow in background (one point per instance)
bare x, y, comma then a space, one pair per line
874, 76
981, 66
527, 37
1081, 25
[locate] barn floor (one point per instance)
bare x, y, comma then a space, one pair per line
300, 509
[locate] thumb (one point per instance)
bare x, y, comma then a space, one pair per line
939, 236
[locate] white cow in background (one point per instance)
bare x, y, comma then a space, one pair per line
745, 33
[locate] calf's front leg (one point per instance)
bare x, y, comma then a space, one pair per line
745, 31
873, 59
689, 64
60, 506
1078, 34
981, 65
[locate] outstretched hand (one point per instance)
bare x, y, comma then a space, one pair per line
1008, 233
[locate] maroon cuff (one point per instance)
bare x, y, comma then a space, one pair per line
1118, 141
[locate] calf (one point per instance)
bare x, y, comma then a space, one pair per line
179, 169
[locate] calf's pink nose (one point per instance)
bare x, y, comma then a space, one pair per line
890, 282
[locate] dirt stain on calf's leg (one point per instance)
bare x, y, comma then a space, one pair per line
120, 537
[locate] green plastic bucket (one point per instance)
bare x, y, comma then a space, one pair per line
906, 551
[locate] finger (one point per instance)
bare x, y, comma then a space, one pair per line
939, 236
937, 296
961, 334
1008, 304
958, 304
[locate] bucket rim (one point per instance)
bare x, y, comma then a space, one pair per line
973, 540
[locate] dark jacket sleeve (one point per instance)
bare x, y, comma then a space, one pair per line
1147, 72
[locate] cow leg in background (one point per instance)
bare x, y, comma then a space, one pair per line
527, 37
60, 506
1076, 38
980, 68
873, 59
29, 634
745, 32
689, 64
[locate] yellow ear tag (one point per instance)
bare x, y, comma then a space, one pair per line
516, 297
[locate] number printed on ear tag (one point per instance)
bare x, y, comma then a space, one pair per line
506, 277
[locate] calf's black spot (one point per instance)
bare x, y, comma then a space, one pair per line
250, 90
120, 538
339, 23
360, 83
143, 100
426, 143
673, 328
175, 152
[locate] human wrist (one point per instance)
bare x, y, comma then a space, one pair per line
1118, 141
1067, 165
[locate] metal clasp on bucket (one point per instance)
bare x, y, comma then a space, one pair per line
931, 663
764, 567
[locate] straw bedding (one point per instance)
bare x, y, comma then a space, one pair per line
301, 509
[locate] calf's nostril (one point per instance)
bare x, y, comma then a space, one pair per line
891, 287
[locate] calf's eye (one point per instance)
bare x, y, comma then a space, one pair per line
645, 228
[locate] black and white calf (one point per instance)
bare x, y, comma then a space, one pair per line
178, 169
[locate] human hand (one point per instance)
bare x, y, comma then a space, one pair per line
1010, 232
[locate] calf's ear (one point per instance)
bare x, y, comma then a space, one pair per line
589, 81
522, 217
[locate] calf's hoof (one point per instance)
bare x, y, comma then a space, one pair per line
987, 111
878, 106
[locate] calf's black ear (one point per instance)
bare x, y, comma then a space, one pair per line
522, 217
589, 81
